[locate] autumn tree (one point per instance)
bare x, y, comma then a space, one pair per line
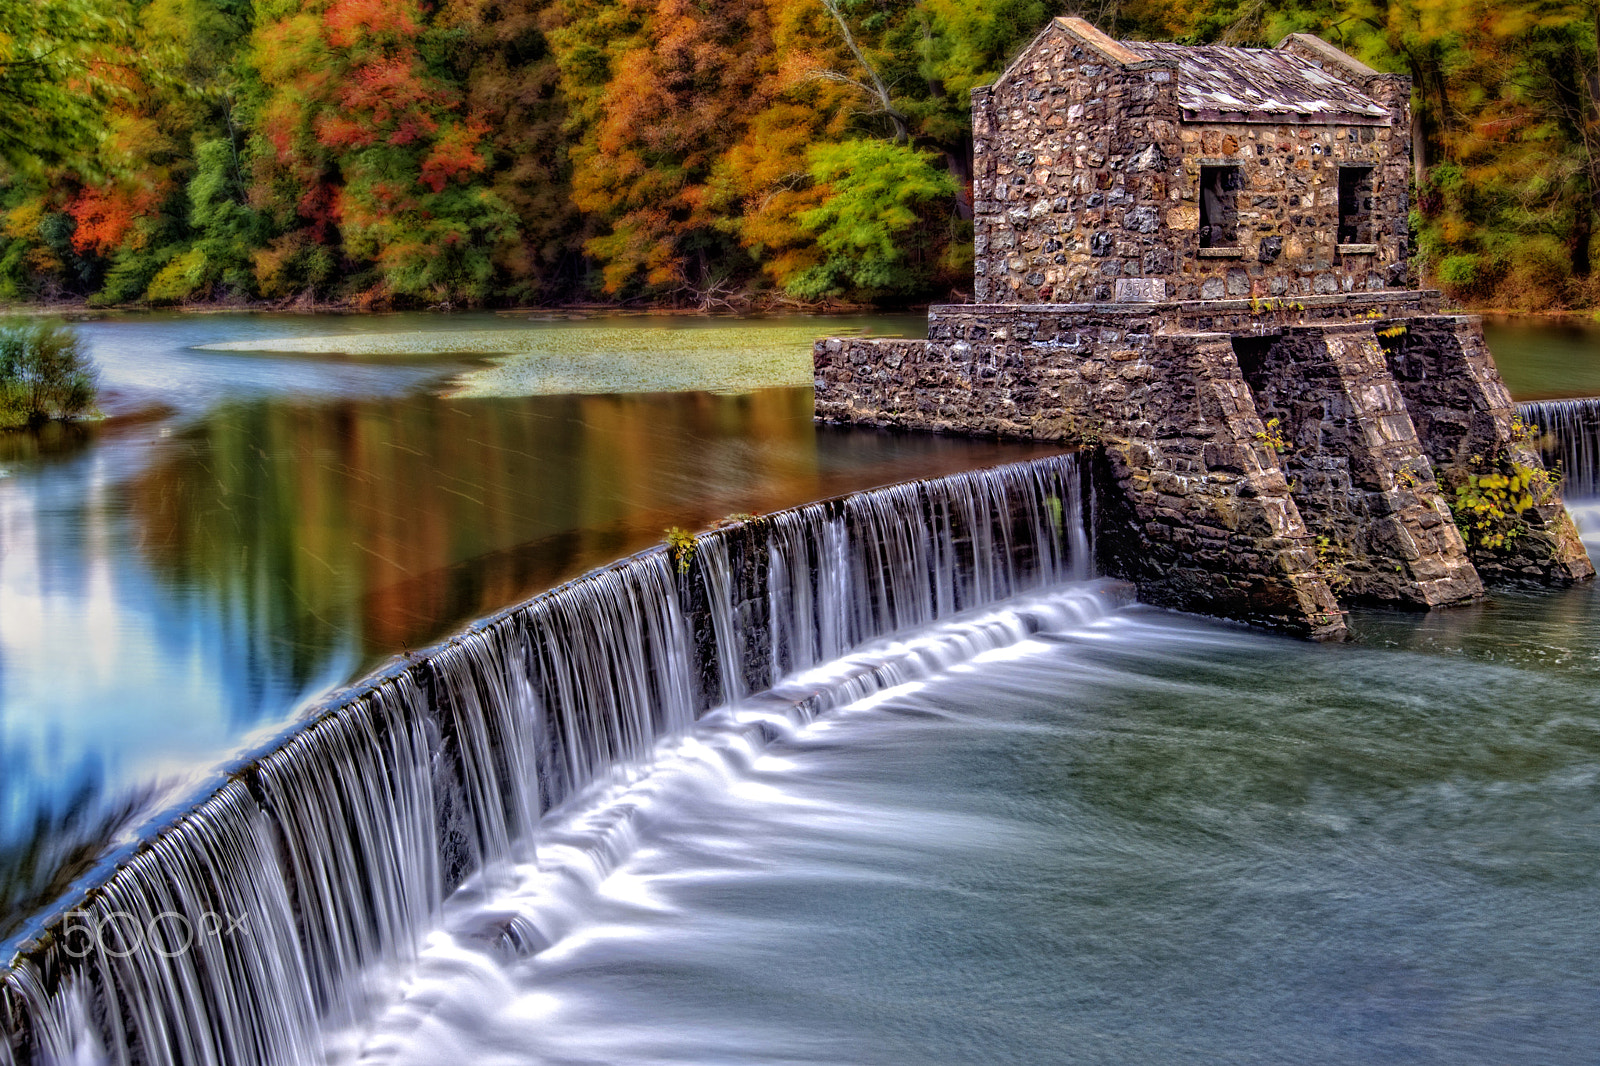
63, 63
59, 67
660, 90
513, 84
367, 154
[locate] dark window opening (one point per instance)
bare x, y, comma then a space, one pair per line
1355, 205
1219, 207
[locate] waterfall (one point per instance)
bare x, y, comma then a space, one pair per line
1571, 436
283, 902
900, 558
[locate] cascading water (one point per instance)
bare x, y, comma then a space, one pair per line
725, 627
273, 910
1572, 437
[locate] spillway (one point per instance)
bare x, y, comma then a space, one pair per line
1571, 436
270, 910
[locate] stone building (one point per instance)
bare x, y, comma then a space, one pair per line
1193, 261
1188, 173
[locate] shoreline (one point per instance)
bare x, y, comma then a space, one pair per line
80, 310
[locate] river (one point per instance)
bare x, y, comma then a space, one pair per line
1134, 836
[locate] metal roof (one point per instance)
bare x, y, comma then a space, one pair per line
1217, 83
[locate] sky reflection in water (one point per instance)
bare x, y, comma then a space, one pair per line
177, 578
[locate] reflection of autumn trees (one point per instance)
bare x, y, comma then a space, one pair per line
385, 525
280, 544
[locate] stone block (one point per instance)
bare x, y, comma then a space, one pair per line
1140, 290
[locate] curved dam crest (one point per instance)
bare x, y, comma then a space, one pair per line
270, 910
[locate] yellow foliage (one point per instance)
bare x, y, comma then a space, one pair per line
21, 224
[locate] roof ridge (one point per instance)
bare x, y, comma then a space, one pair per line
1233, 83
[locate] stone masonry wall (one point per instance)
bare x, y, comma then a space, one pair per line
999, 369
1356, 467
1370, 423
1074, 159
1201, 517
1087, 174
1463, 410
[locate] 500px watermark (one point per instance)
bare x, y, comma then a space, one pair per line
168, 934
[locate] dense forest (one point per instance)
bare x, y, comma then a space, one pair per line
699, 153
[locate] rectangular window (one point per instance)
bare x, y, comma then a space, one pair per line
1355, 205
1219, 207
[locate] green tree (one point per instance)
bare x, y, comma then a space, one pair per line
367, 153
60, 63
876, 194
224, 230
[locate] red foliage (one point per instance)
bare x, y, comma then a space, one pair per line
318, 205
348, 21
105, 216
454, 155
387, 94
341, 131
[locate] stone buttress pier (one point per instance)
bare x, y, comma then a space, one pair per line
1270, 473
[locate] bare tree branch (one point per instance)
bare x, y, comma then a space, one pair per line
878, 90
31, 61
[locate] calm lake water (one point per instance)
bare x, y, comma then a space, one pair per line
1139, 840
262, 524
1546, 358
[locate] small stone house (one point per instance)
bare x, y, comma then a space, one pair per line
1191, 262
1110, 170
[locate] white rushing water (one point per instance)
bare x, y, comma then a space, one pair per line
295, 897
487, 986
1571, 439
1571, 430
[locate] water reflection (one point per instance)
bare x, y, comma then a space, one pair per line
370, 527
181, 578
1545, 358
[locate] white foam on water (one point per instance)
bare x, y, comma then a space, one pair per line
338, 848
598, 880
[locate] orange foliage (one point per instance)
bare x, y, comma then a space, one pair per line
454, 155
105, 216
766, 186
680, 94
